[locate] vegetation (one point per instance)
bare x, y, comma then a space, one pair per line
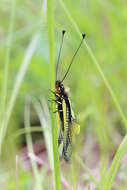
30, 37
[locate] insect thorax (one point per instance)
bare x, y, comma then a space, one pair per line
59, 87
62, 95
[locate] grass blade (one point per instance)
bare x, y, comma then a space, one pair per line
50, 17
19, 79
8, 53
86, 169
30, 146
111, 174
17, 182
116, 103
45, 126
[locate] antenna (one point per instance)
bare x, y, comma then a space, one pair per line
83, 36
57, 65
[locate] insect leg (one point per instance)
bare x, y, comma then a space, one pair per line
56, 101
58, 111
56, 94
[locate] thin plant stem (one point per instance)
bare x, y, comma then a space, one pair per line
7, 59
114, 98
18, 81
50, 17
30, 145
92, 178
112, 172
17, 182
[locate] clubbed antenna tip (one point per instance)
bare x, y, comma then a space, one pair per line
83, 35
63, 32
57, 65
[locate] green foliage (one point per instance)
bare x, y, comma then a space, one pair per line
23, 177
97, 82
56, 165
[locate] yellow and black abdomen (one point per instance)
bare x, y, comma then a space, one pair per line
68, 127
67, 142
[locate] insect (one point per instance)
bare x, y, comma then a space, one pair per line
68, 126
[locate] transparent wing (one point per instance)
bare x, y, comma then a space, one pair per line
60, 132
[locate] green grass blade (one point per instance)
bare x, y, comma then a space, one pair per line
44, 116
96, 64
86, 169
16, 173
50, 17
111, 174
22, 131
35, 170
7, 59
18, 81
19, 35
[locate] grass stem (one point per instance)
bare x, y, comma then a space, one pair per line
114, 98
50, 17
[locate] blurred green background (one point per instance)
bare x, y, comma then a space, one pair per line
105, 25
